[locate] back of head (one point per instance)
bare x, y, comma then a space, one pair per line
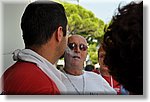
40, 20
124, 47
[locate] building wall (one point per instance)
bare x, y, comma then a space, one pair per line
11, 35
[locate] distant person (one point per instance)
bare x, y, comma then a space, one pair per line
89, 68
104, 71
96, 70
123, 43
44, 33
78, 81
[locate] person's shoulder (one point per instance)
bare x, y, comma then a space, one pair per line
25, 70
27, 75
24, 66
92, 74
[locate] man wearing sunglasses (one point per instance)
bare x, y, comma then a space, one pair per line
78, 81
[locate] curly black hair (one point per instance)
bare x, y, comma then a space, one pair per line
123, 43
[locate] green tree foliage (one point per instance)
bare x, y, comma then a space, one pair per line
92, 51
83, 22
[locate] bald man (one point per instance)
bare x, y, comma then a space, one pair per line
78, 81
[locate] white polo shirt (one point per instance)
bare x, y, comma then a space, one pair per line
88, 83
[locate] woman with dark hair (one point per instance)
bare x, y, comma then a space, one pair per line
104, 71
123, 43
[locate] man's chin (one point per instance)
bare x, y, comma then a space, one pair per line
76, 62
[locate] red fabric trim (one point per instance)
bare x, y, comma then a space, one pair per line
27, 78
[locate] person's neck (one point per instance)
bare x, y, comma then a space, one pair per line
105, 74
45, 53
75, 72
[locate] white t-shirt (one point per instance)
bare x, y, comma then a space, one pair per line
89, 83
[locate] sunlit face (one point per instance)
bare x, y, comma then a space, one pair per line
76, 52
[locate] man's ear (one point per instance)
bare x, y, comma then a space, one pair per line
59, 34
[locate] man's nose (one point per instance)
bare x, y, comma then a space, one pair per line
77, 49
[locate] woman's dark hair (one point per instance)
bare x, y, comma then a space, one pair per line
123, 43
40, 20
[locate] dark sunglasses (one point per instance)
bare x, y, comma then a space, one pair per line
73, 46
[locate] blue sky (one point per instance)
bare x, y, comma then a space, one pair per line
103, 9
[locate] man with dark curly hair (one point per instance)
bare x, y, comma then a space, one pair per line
123, 43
